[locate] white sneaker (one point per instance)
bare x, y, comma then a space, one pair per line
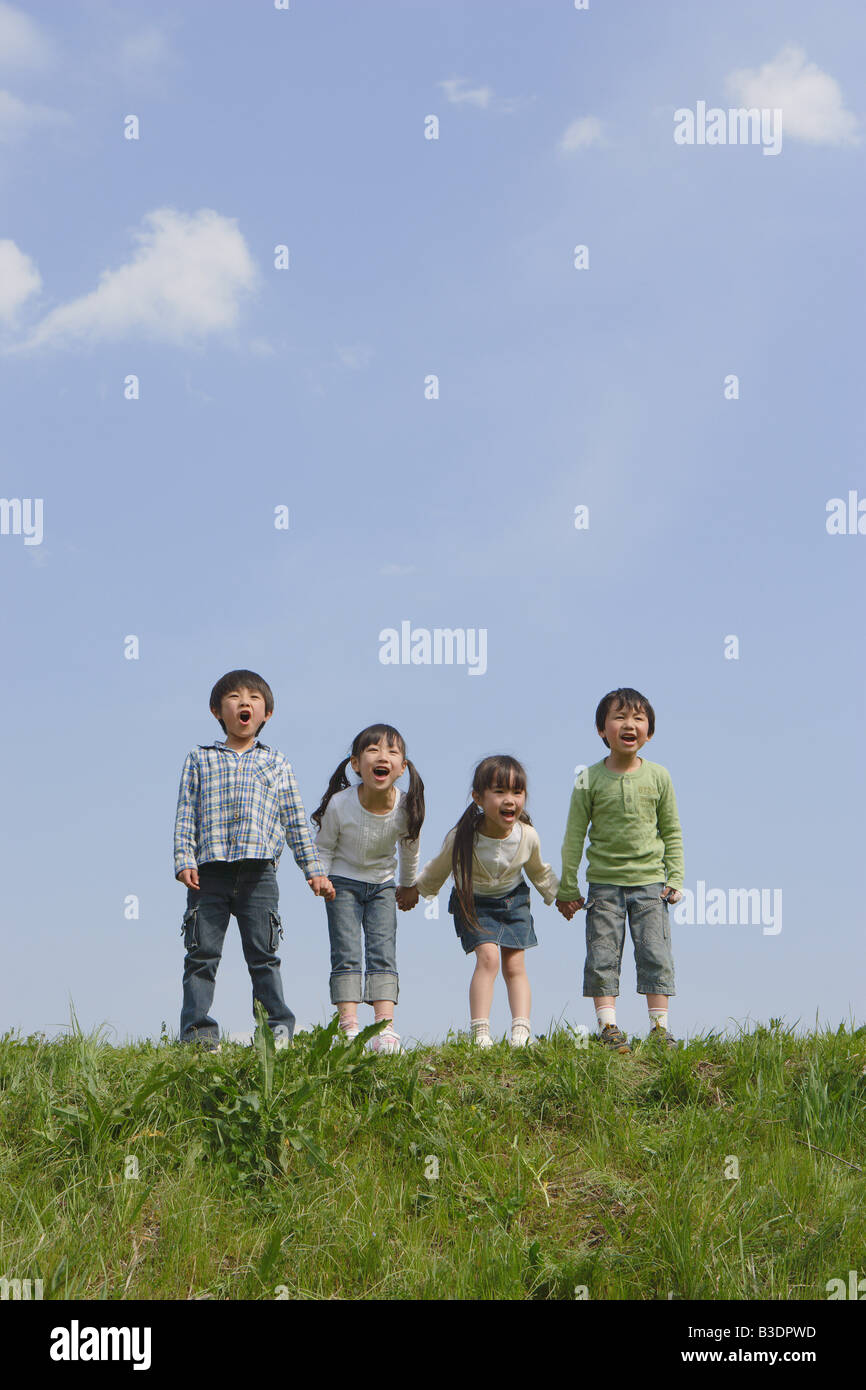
345, 1035
386, 1041
482, 1040
521, 1037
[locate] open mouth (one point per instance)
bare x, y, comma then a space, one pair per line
381, 772
245, 716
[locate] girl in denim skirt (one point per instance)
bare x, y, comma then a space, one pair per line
487, 851
363, 830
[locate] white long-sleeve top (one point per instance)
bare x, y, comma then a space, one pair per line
495, 870
360, 844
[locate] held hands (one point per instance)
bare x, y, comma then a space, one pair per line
407, 898
322, 887
189, 878
670, 895
568, 909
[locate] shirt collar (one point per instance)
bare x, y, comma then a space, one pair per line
222, 743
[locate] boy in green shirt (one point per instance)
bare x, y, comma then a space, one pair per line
634, 865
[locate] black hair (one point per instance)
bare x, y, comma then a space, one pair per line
240, 680
374, 733
624, 698
496, 771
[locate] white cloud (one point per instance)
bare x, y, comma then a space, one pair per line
581, 134
186, 280
811, 101
22, 42
18, 117
19, 278
145, 54
476, 96
356, 357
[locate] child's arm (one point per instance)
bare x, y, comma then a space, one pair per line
185, 866
572, 850
671, 832
294, 822
326, 840
408, 855
434, 874
541, 874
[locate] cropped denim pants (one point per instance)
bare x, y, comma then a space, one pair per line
607, 907
368, 911
248, 890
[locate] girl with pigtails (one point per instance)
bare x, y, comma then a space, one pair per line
364, 829
487, 851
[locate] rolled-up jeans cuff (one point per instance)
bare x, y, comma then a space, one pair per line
645, 986
346, 987
381, 984
601, 989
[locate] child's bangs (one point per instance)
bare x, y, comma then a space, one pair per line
378, 733
502, 772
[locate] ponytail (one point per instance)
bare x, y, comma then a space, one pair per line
414, 803
338, 783
461, 860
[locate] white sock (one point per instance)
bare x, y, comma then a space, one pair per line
658, 1018
520, 1031
480, 1027
605, 1014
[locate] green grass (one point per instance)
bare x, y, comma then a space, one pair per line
560, 1171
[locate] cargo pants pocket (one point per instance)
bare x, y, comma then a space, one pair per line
276, 931
189, 930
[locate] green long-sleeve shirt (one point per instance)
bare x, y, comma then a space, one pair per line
634, 829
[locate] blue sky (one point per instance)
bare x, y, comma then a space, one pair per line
304, 387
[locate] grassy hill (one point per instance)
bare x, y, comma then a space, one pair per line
556, 1172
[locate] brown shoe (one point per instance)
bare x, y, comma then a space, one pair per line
611, 1036
657, 1034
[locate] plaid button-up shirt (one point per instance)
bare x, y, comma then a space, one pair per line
238, 806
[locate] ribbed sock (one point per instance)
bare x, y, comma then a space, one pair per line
480, 1028
605, 1015
520, 1032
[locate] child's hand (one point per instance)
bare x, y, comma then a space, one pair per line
322, 887
568, 909
407, 898
189, 878
670, 895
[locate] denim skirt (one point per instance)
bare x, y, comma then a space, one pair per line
501, 921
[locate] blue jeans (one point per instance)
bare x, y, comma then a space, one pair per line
247, 889
371, 909
607, 907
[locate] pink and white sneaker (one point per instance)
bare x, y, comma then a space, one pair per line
386, 1041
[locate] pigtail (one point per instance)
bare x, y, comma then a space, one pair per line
461, 860
338, 783
414, 803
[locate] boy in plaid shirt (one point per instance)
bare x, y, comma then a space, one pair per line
237, 799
